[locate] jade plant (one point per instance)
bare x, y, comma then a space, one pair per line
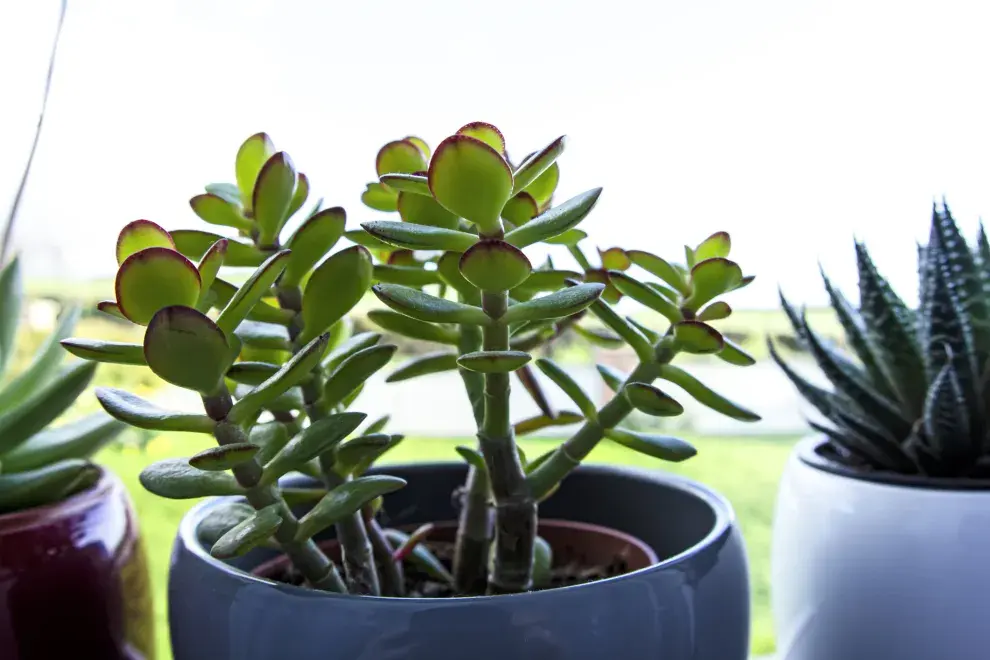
911, 399
277, 367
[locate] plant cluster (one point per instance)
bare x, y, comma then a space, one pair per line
913, 398
278, 369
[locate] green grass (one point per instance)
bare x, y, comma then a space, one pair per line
745, 470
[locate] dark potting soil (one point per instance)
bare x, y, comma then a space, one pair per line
569, 569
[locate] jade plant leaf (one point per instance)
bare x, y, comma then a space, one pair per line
543, 186
291, 374
224, 292
571, 237
272, 196
486, 133
314, 440
50, 483
400, 156
140, 235
664, 447
110, 308
555, 221
520, 209
221, 520
425, 307
356, 343
254, 289
537, 163
645, 295
249, 533
216, 210
419, 237
354, 371
570, 387
413, 276
659, 267
380, 197
175, 479
140, 413
492, 362
542, 563
194, 243
77, 439
412, 183
472, 180
705, 396
345, 500
717, 245
448, 267
419, 209
334, 288
494, 265
311, 242
250, 372
185, 348
251, 157
422, 365
356, 453
420, 143
733, 354
697, 337
271, 437
300, 195
555, 305
636, 340
615, 259
263, 335
407, 326
612, 377
224, 457
710, 278
650, 400
208, 268
226, 191
154, 278
715, 312
533, 424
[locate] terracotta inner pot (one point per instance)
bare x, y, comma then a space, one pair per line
577, 543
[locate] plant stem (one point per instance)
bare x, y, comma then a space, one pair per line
474, 528
8, 229
355, 545
393, 581
515, 506
318, 570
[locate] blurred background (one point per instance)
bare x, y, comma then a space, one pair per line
795, 126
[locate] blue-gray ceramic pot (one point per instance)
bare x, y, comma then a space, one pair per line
693, 605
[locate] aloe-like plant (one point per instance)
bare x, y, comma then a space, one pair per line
912, 399
278, 369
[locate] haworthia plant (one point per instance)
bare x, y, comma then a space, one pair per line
912, 397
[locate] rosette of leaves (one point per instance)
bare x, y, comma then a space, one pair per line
282, 410
468, 204
911, 398
41, 463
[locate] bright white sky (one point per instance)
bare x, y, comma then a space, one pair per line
792, 125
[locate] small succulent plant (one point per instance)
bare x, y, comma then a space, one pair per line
41, 464
277, 367
913, 398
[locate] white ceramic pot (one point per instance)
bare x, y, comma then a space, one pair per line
872, 568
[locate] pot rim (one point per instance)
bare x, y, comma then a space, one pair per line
35, 516
808, 451
723, 513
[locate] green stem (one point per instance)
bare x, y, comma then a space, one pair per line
515, 506
393, 581
314, 565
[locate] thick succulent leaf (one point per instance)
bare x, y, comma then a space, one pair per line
357, 454
422, 365
485, 132
421, 557
224, 457
227, 191
527, 377
353, 371
291, 374
711, 278
224, 517
44, 405
139, 235
533, 424
650, 334
251, 157
414, 276
650, 400
253, 290
314, 440
537, 163
569, 386
208, 268
419, 237
43, 366
416, 184
216, 210
311, 242
664, 447
262, 311
400, 156
422, 210
600, 336
645, 295
612, 377
520, 209
633, 337
300, 195
717, 311
377, 425
471, 180
547, 280
717, 245
11, 295
355, 343
249, 533
345, 500
79, 439
270, 437
448, 267
494, 265
660, 268
143, 414
110, 308
734, 354
473, 458
175, 479
271, 336
194, 243
542, 188
185, 348
887, 322
947, 422
334, 288
380, 197
697, 337
425, 307
251, 372
155, 278
570, 238
489, 362
705, 396
559, 304
555, 221
51, 483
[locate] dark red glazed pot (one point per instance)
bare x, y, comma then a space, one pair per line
74, 580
